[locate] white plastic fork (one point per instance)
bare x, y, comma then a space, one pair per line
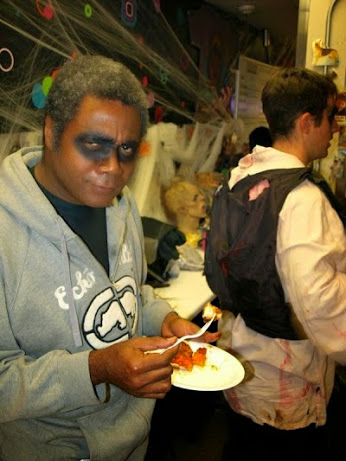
183, 338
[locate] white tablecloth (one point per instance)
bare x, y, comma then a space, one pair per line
187, 293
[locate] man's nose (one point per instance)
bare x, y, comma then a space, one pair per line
110, 164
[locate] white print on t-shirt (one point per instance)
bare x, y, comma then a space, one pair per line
112, 315
84, 280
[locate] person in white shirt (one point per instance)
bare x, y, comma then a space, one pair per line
282, 402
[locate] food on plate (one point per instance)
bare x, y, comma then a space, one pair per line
200, 356
186, 358
183, 358
208, 312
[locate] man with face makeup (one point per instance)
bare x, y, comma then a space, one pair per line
76, 318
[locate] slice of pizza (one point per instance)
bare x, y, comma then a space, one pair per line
183, 358
187, 359
200, 356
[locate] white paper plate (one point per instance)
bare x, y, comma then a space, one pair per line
221, 371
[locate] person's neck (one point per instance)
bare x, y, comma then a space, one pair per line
292, 148
40, 175
188, 224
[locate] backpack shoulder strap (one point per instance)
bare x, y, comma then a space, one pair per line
319, 180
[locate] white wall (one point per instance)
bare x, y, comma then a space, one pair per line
317, 28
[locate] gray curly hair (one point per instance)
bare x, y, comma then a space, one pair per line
99, 76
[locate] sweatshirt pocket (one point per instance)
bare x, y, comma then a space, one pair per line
118, 429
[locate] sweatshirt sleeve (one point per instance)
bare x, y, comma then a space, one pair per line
154, 311
311, 261
30, 387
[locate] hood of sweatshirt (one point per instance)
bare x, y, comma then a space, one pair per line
21, 196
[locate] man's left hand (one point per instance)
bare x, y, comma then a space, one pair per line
173, 325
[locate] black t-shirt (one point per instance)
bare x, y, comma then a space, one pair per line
87, 222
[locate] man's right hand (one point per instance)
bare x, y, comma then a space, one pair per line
128, 367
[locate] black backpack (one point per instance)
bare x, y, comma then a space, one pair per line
240, 251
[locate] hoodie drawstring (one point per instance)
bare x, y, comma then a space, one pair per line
77, 337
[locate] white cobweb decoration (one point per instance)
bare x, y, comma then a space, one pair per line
45, 34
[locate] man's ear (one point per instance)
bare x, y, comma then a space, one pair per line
48, 133
306, 121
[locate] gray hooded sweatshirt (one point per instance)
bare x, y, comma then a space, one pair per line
56, 304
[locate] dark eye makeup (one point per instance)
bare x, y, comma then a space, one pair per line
97, 148
127, 151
